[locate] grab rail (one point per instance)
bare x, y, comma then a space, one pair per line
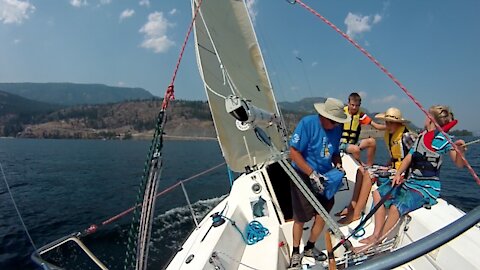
59, 242
75, 237
424, 245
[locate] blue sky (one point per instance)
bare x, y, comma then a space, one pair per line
431, 46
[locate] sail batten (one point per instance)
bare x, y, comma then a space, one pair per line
231, 63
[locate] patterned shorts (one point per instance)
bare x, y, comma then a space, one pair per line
405, 199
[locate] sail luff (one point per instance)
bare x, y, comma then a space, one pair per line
230, 62
277, 108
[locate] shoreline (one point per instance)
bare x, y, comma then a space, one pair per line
134, 138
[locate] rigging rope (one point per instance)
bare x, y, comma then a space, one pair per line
393, 78
169, 94
93, 227
16, 209
254, 231
140, 230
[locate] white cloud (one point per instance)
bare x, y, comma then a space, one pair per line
173, 11
155, 31
120, 83
127, 13
78, 3
385, 100
252, 9
314, 64
15, 11
144, 3
357, 24
105, 2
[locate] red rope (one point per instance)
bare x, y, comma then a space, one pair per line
395, 80
93, 228
169, 93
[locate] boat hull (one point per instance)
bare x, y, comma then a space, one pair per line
223, 246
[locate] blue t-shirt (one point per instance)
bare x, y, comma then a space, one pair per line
430, 189
316, 144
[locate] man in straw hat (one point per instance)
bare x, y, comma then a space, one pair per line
314, 146
398, 140
350, 142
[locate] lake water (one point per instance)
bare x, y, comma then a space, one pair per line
64, 186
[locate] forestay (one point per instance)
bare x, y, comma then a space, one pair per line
230, 63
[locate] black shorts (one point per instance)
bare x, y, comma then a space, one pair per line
303, 211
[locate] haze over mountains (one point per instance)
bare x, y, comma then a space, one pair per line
73, 93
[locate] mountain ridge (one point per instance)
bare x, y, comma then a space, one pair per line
129, 119
75, 93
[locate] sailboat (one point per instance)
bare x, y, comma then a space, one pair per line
251, 228
238, 88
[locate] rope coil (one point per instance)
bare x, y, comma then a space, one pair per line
254, 231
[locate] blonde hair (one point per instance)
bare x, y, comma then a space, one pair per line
442, 114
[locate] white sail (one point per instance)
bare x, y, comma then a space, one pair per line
223, 30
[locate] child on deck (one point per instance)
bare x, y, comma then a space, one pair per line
398, 140
423, 184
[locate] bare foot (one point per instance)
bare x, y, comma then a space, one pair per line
348, 219
369, 240
344, 212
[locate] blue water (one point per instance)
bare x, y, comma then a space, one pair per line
64, 186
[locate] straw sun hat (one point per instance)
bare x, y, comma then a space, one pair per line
333, 110
392, 115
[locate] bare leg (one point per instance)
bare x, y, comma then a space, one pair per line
316, 228
371, 146
354, 150
297, 233
356, 192
361, 198
393, 216
379, 221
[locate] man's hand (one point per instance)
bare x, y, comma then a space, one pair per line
340, 168
316, 180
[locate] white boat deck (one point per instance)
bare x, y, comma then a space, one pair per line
273, 252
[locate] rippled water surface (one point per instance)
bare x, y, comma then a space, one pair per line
64, 186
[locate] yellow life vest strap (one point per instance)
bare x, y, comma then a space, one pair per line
395, 145
351, 130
